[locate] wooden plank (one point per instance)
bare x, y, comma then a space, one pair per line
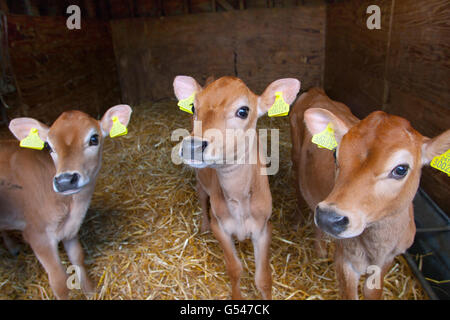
266, 52
224, 4
58, 69
355, 56
90, 8
418, 74
151, 52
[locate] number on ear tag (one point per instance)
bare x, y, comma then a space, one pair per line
279, 108
325, 139
117, 128
32, 141
187, 104
442, 162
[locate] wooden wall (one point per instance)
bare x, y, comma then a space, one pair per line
403, 68
258, 45
59, 69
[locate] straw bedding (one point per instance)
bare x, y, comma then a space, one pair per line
142, 235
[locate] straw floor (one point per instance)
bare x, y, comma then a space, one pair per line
142, 240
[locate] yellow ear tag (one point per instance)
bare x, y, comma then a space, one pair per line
442, 162
187, 104
117, 128
279, 108
32, 141
325, 139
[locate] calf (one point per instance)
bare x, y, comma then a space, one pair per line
45, 194
238, 193
363, 197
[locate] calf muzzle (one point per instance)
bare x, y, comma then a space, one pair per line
330, 222
66, 182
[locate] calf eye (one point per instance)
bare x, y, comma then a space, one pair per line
399, 172
93, 141
242, 112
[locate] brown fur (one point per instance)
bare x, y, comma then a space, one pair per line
379, 209
31, 204
238, 194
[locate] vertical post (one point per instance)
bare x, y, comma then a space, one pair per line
241, 4
213, 5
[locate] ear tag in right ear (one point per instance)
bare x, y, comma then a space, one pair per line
32, 141
442, 162
117, 128
325, 139
279, 108
187, 104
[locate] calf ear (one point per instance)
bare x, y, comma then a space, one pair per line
435, 147
289, 87
317, 119
121, 111
209, 80
185, 86
21, 127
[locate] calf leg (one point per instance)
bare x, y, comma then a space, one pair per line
46, 250
10, 244
263, 274
375, 293
76, 256
232, 263
348, 280
203, 199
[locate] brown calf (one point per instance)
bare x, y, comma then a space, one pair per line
45, 194
238, 193
363, 198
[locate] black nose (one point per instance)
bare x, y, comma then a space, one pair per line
195, 148
330, 222
66, 181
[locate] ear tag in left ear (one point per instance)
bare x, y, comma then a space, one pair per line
442, 162
117, 128
32, 141
187, 104
279, 108
325, 139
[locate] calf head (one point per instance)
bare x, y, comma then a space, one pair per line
75, 142
378, 168
225, 106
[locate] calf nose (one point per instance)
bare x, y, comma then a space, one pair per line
330, 222
66, 181
193, 149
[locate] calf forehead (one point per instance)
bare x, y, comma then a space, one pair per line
223, 92
378, 136
72, 126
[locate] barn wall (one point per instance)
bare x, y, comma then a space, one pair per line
258, 45
403, 68
58, 69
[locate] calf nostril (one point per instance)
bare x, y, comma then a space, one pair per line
204, 145
341, 221
75, 178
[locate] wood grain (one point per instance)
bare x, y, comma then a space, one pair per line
59, 69
258, 45
404, 69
